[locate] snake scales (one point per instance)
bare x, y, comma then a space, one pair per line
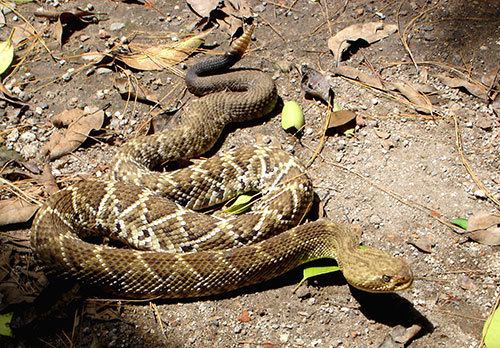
140, 234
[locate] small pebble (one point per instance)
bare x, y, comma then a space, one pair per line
375, 220
479, 194
103, 71
116, 26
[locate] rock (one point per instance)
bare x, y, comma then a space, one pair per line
479, 194
103, 71
284, 65
27, 137
116, 26
103, 34
284, 337
375, 219
303, 292
259, 8
13, 135
485, 123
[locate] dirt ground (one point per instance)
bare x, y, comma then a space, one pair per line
400, 175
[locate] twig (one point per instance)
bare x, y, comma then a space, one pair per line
272, 28
157, 315
19, 192
466, 164
35, 32
404, 35
318, 149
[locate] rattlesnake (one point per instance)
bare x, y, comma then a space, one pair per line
139, 234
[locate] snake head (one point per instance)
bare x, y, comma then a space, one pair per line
376, 271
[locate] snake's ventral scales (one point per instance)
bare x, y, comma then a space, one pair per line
161, 246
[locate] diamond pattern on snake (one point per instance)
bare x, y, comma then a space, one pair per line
161, 245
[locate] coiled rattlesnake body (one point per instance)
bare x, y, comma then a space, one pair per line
162, 247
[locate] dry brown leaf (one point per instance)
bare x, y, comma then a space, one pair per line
67, 22
15, 211
12, 294
203, 7
315, 84
420, 103
131, 89
475, 89
423, 244
341, 117
484, 228
483, 220
490, 236
22, 32
47, 180
358, 75
79, 124
4, 261
228, 14
369, 32
66, 117
162, 56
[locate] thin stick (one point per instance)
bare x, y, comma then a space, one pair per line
157, 316
19, 192
466, 164
322, 139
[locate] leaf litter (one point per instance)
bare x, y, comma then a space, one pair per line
161, 57
370, 32
79, 124
228, 15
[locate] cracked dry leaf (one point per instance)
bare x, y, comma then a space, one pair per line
67, 22
484, 228
370, 32
79, 123
227, 14
15, 211
475, 89
418, 100
203, 7
162, 56
316, 85
23, 32
358, 75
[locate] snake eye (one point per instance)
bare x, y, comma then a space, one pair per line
386, 278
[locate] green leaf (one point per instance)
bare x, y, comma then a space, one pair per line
20, 2
314, 271
349, 132
460, 222
5, 320
491, 330
6, 53
240, 205
292, 116
336, 107
310, 272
